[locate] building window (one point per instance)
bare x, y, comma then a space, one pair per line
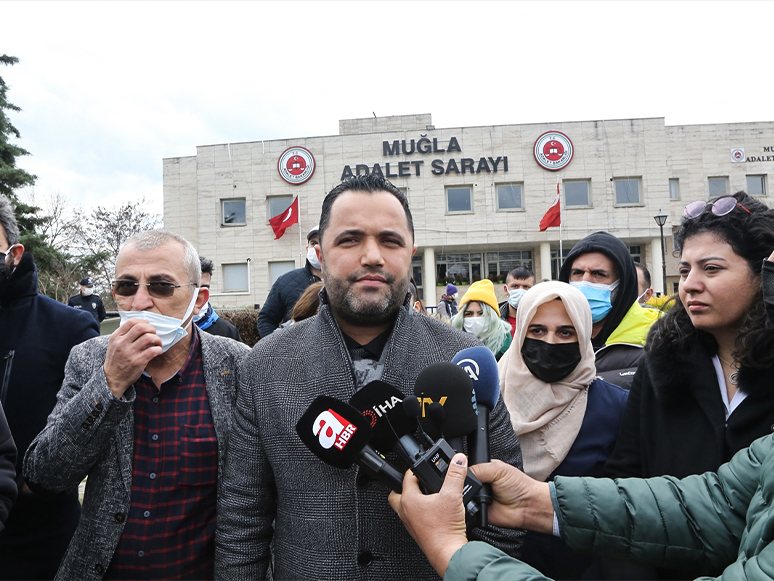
717, 186
464, 269
277, 269
576, 194
416, 272
509, 197
636, 252
278, 204
235, 278
674, 189
556, 266
459, 199
675, 288
756, 185
233, 212
627, 191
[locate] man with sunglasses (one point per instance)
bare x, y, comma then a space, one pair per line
36, 336
144, 413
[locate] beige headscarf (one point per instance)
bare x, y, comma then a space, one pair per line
547, 416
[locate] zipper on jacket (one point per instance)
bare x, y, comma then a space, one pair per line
6, 376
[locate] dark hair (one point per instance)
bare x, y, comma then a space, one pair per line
206, 265
521, 273
751, 236
645, 273
308, 303
370, 183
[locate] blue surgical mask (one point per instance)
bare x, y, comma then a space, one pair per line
599, 297
514, 297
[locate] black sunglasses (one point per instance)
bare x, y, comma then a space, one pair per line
158, 288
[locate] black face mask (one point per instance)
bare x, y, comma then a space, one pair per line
550, 362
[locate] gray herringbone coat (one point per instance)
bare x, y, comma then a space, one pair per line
325, 523
70, 448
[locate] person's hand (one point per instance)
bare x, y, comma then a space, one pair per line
130, 348
435, 521
519, 502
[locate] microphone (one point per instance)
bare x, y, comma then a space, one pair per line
386, 408
481, 367
448, 385
382, 404
338, 434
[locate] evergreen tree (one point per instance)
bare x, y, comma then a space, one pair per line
12, 178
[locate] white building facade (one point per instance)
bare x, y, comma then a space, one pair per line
477, 194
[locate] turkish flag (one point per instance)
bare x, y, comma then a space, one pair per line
282, 222
552, 217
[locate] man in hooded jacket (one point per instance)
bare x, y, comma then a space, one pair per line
603, 270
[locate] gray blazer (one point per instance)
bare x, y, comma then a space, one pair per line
325, 523
91, 433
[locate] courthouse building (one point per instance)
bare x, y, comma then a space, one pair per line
477, 194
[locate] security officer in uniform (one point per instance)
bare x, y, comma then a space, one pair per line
88, 301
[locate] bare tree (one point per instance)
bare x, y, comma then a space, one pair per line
100, 233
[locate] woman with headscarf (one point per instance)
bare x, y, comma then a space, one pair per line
566, 419
479, 315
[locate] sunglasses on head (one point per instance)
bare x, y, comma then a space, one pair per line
719, 207
158, 288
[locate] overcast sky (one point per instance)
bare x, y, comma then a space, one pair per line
108, 89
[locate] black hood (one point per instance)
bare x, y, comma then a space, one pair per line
626, 292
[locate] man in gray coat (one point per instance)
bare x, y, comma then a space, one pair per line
323, 522
145, 414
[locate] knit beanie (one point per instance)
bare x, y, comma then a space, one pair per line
481, 291
450, 289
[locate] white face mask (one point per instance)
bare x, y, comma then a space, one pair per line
202, 313
311, 256
87, 292
169, 329
455, 295
514, 296
473, 325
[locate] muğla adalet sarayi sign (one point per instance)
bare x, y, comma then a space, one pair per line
437, 166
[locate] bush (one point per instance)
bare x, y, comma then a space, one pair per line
244, 320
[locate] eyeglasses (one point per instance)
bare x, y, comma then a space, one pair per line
158, 288
720, 207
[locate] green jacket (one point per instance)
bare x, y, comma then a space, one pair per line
712, 521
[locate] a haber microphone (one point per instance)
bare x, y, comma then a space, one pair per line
393, 429
338, 434
481, 367
448, 385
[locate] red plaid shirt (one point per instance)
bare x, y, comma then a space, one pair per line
170, 528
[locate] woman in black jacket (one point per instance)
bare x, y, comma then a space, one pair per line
704, 389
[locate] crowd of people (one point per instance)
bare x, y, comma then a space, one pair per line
628, 442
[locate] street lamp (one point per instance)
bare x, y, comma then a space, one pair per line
661, 219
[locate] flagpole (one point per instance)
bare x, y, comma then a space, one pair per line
300, 240
559, 196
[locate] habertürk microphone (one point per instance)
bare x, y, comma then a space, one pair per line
338, 434
481, 367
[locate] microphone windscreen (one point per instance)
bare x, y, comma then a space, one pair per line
449, 385
334, 431
481, 366
411, 406
382, 405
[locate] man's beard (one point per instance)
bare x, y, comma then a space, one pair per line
365, 309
